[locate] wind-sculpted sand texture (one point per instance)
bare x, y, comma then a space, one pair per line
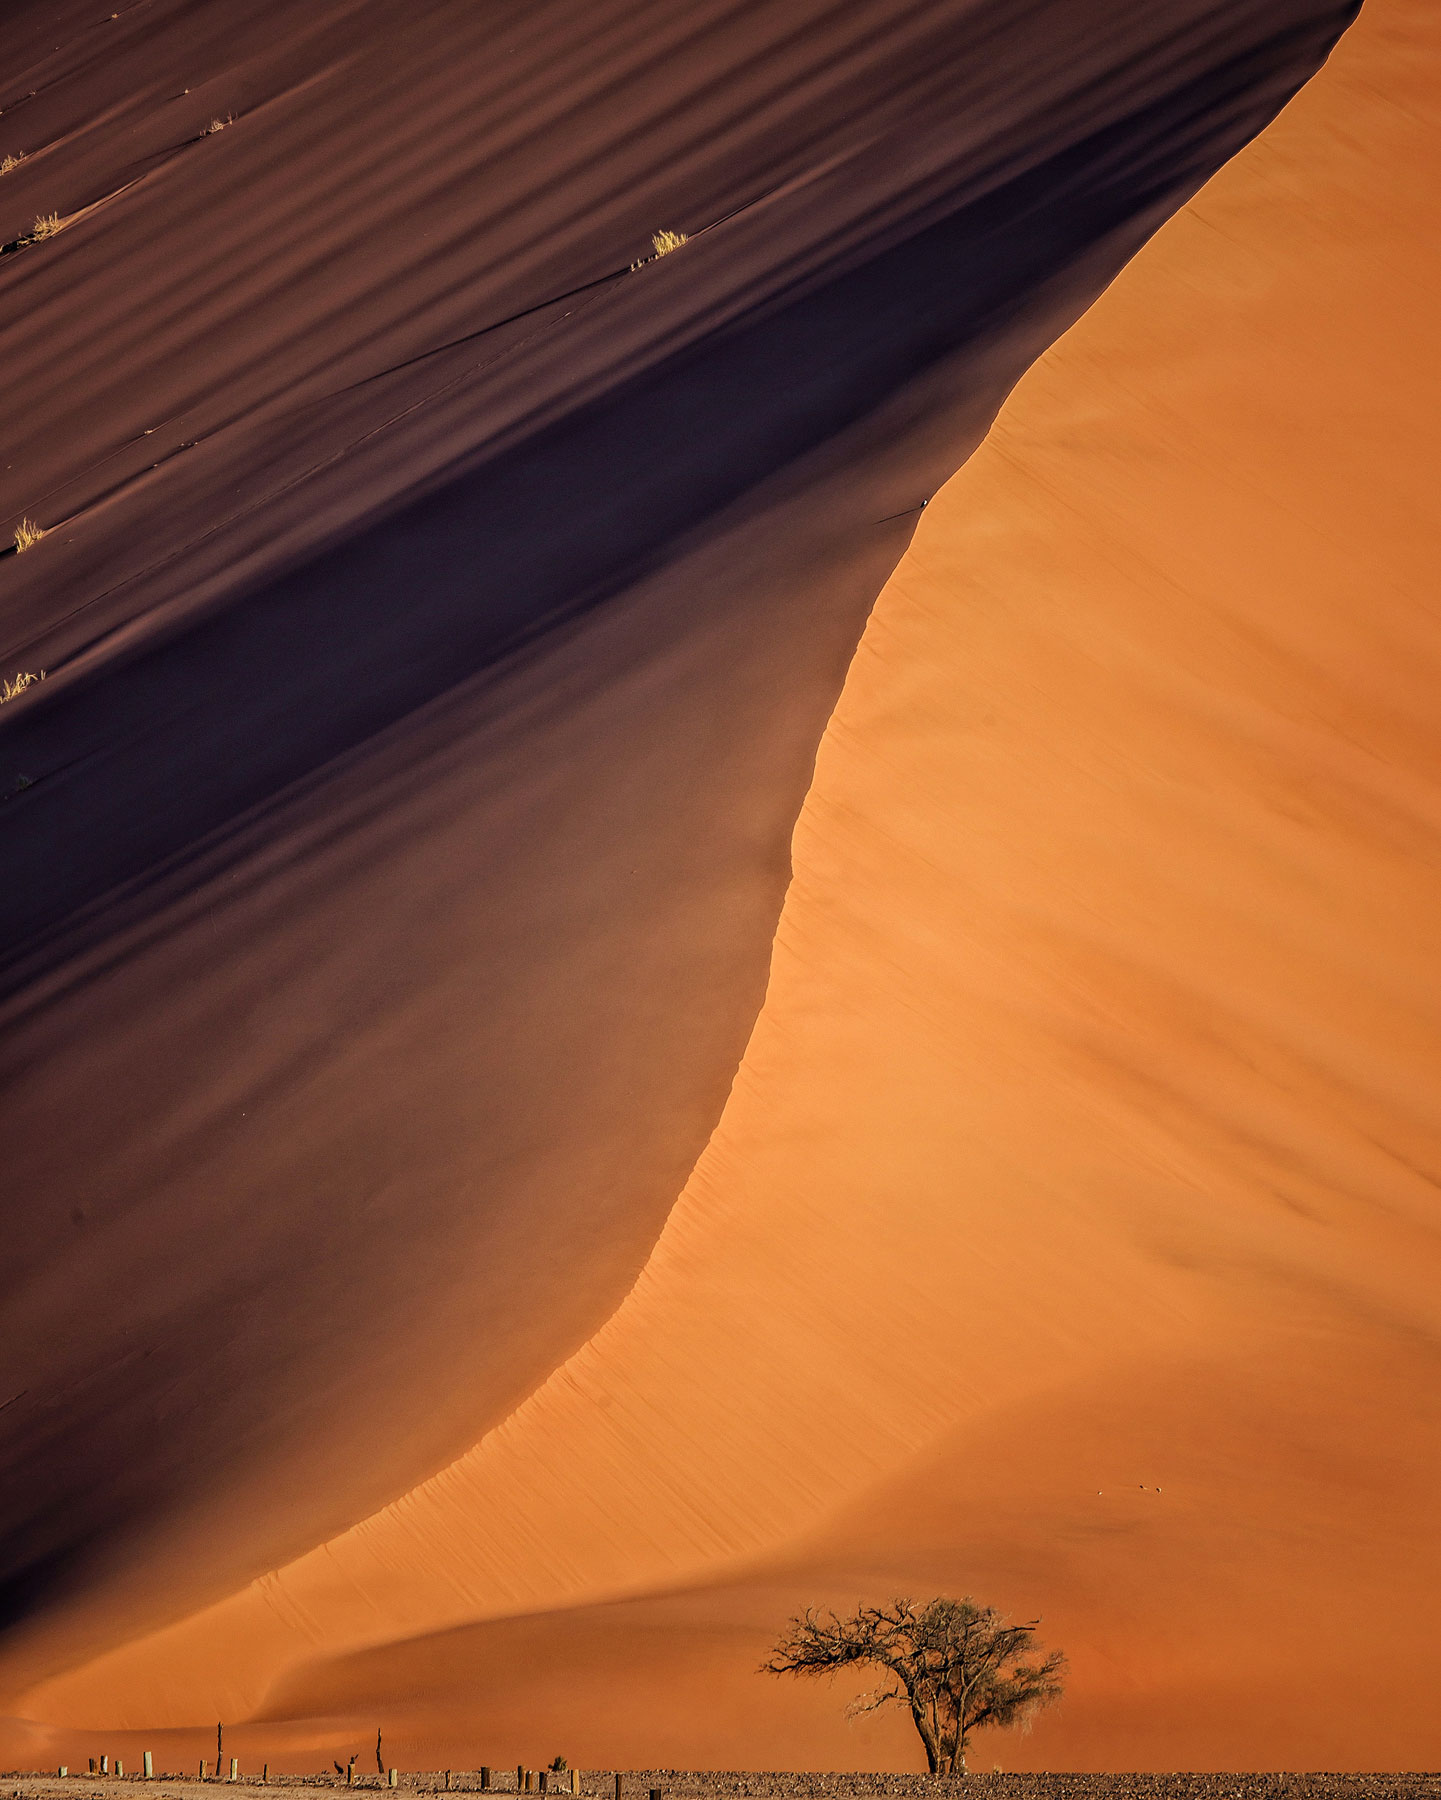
440, 615
1069, 1235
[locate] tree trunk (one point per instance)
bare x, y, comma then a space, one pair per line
927, 1737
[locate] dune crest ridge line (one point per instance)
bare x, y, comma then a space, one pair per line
395, 845
1150, 812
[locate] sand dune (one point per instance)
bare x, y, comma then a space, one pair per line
408, 817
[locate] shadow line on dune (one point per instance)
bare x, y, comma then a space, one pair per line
153, 755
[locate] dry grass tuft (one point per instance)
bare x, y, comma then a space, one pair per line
27, 535
7, 163
12, 690
219, 124
665, 241
44, 227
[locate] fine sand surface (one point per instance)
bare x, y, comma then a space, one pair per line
1070, 1233
406, 817
440, 615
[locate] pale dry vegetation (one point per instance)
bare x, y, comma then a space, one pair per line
7, 163
45, 226
663, 242
219, 124
27, 535
12, 690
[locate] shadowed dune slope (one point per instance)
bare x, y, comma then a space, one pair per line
440, 615
1070, 1234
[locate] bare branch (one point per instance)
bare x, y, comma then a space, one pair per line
958, 1667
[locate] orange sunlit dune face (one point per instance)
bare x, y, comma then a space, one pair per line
1067, 1234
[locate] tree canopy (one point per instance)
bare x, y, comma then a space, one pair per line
956, 1666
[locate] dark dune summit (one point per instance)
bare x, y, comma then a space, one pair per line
439, 615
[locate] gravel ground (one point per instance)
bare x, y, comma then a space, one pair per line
681, 1784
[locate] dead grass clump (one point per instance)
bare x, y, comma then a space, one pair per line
665, 241
12, 690
219, 124
44, 227
7, 163
27, 535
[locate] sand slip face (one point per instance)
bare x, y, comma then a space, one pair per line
1070, 1232
440, 614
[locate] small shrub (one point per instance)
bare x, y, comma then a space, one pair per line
7, 163
558, 1765
27, 535
219, 124
11, 690
44, 227
665, 241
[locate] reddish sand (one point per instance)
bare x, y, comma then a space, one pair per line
1069, 1233
440, 616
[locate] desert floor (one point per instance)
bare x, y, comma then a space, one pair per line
746, 1784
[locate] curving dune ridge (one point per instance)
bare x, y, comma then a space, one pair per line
405, 822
